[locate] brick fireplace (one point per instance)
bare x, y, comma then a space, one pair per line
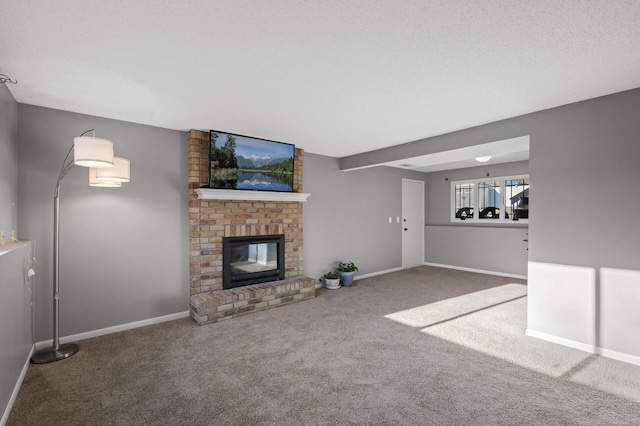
215, 214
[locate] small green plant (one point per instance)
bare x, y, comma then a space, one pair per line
333, 275
347, 267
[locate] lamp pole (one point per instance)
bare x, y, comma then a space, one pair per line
94, 152
57, 351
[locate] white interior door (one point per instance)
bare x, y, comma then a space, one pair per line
412, 223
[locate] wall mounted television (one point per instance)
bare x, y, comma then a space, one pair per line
248, 163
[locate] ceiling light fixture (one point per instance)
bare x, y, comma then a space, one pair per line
483, 159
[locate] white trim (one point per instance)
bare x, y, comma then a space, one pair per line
240, 194
631, 359
115, 329
8, 248
561, 341
374, 274
16, 389
422, 185
479, 271
319, 284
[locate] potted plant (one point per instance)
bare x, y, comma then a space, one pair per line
347, 270
332, 280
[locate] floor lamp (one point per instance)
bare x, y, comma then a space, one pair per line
97, 154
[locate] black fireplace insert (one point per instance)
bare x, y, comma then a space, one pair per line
252, 260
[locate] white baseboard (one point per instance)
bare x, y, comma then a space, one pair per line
631, 359
478, 271
114, 329
369, 275
374, 274
561, 341
16, 389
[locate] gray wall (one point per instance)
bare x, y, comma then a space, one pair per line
347, 216
585, 172
8, 161
482, 246
124, 251
15, 312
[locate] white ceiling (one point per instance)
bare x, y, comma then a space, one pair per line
333, 77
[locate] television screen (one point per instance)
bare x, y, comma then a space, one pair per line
243, 162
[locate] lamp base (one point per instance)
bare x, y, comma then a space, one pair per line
49, 355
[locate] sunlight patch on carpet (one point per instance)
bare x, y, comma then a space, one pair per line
448, 309
493, 322
499, 331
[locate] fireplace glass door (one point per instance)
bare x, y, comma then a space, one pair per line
250, 260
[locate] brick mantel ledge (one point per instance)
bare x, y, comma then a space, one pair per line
239, 194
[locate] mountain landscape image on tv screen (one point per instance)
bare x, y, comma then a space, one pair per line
242, 162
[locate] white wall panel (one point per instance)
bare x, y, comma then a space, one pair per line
619, 301
562, 300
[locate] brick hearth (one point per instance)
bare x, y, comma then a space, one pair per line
211, 220
220, 304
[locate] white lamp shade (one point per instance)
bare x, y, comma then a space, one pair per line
92, 152
120, 172
93, 181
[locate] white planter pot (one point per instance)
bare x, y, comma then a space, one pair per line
332, 284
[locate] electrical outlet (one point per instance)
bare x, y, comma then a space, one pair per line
390, 219
13, 236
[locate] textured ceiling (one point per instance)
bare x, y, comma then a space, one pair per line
333, 77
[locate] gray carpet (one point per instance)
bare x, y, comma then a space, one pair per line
385, 351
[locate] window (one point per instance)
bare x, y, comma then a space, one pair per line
464, 200
498, 200
489, 200
517, 199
